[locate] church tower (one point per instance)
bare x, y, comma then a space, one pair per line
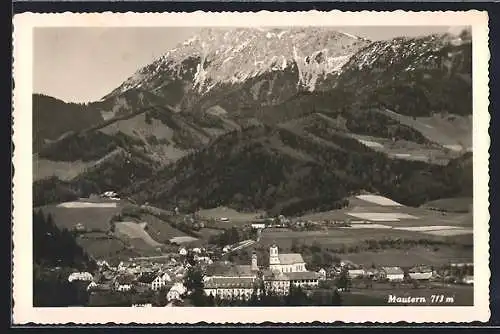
273, 255
254, 265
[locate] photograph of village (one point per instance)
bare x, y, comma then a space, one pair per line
270, 166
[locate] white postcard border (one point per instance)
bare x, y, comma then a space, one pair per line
24, 312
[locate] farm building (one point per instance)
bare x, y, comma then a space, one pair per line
258, 226
124, 282
420, 273
322, 274
176, 292
109, 194
124, 287
393, 274
355, 273
204, 259
146, 278
91, 286
469, 279
160, 281
81, 276
183, 251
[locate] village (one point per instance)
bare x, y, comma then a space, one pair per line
285, 270
237, 264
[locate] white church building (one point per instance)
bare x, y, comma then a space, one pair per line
288, 269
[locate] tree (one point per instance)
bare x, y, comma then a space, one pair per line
190, 258
336, 299
295, 246
194, 283
296, 297
344, 282
194, 279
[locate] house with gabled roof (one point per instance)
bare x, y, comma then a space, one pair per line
393, 274
161, 281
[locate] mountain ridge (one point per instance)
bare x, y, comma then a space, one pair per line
177, 107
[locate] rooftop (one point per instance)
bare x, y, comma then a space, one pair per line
229, 282
305, 275
290, 258
393, 270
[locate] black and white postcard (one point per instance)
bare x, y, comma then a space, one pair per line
264, 167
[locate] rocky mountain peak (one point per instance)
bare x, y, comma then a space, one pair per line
216, 56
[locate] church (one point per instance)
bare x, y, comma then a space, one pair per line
287, 269
240, 281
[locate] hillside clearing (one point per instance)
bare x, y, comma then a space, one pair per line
426, 228
134, 230
160, 230
83, 205
459, 204
231, 214
64, 170
91, 217
183, 240
452, 232
382, 216
380, 200
455, 131
364, 226
370, 143
410, 257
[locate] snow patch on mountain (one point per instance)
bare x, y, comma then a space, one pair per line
233, 56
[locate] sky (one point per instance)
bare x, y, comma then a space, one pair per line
83, 64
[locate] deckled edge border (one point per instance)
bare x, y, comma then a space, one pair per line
225, 324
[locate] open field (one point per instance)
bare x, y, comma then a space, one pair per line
409, 257
102, 246
382, 216
83, 205
91, 217
454, 132
64, 170
207, 233
378, 295
336, 237
460, 204
446, 233
379, 200
402, 149
135, 230
370, 143
233, 215
396, 216
183, 240
160, 230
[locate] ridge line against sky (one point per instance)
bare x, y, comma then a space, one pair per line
85, 64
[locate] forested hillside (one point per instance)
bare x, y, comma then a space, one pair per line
55, 255
282, 171
53, 118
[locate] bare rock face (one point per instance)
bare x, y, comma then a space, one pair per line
265, 66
